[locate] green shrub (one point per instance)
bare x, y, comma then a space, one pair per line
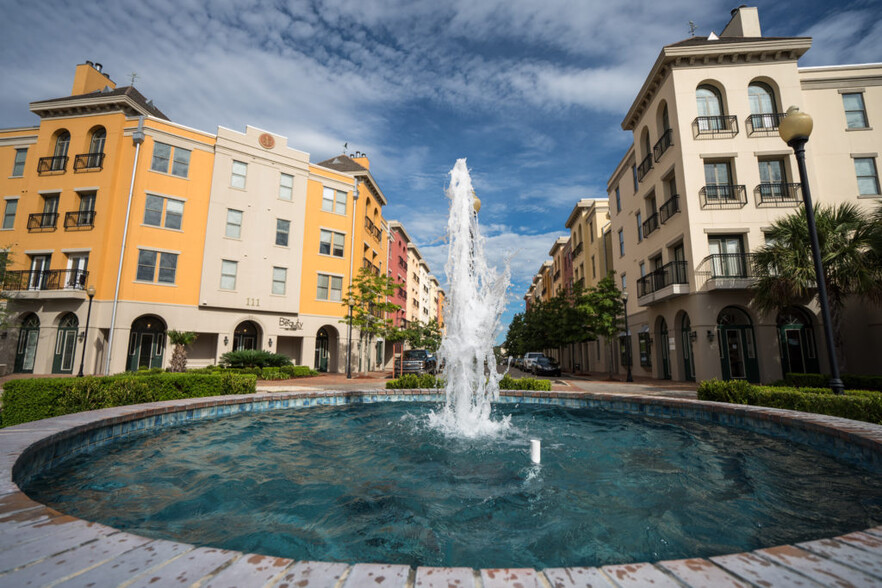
851, 382
28, 400
253, 358
267, 373
414, 381
861, 405
536, 384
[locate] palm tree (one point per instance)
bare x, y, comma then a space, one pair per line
786, 272
180, 339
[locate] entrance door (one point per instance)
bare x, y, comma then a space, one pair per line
146, 344
686, 342
245, 336
321, 351
796, 337
65, 345
737, 346
26, 352
664, 350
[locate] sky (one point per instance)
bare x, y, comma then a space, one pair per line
532, 93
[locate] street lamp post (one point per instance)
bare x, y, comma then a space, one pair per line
795, 130
351, 302
91, 292
629, 377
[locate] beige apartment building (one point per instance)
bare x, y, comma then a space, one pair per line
558, 282
707, 174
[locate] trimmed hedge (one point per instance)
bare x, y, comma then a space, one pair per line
254, 358
266, 373
852, 382
28, 400
509, 383
425, 381
860, 405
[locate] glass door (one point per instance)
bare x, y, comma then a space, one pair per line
26, 352
686, 342
727, 256
664, 350
39, 272
321, 351
65, 345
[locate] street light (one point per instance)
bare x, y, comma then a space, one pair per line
628, 377
91, 292
351, 302
795, 130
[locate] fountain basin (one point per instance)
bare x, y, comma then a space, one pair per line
34, 538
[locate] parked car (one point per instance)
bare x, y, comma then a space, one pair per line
416, 361
529, 358
545, 366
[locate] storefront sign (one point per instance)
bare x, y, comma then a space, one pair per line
289, 325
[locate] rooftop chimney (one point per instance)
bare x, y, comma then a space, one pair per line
88, 78
744, 23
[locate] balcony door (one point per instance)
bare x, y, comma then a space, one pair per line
727, 254
710, 108
718, 181
772, 179
762, 102
76, 274
39, 272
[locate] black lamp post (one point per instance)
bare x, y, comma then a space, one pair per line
628, 377
795, 130
91, 292
351, 302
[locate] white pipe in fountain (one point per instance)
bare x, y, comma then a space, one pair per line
536, 451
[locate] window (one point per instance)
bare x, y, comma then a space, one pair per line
9, 213
624, 282
644, 342
642, 269
718, 181
280, 277
96, 144
618, 200
761, 98
855, 112
61, 144
164, 154
240, 170
329, 288
639, 226
709, 101
593, 268
18, 165
234, 223
634, 174
156, 205
332, 243
228, 274
282, 229
286, 187
147, 262
867, 179
334, 201
621, 243
591, 231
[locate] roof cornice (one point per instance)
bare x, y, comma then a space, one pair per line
89, 105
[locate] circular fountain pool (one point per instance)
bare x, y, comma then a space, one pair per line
375, 483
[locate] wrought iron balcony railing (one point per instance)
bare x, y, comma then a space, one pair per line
727, 265
373, 229
402, 263
366, 264
557, 275
650, 224
578, 249
644, 167
764, 124
770, 194
723, 196
19, 280
56, 163
673, 272
669, 208
42, 221
88, 161
715, 126
663, 144
79, 219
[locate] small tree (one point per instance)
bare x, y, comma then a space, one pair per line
370, 293
421, 335
605, 319
5, 262
181, 340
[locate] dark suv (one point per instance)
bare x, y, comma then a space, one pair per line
416, 361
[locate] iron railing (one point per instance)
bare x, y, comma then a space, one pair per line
79, 219
727, 265
55, 163
89, 161
644, 167
373, 229
366, 264
650, 224
42, 221
778, 194
402, 263
669, 208
578, 249
723, 196
557, 275
663, 144
714, 126
18, 280
764, 124
673, 272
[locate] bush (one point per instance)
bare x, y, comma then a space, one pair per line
414, 381
851, 382
268, 373
509, 383
253, 358
861, 405
40, 398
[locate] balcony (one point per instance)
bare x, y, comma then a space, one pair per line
402, 263
83, 220
725, 271
578, 249
89, 161
556, 275
650, 225
715, 127
366, 264
664, 142
669, 208
39, 283
777, 194
723, 196
55, 164
668, 281
373, 229
644, 167
42, 221
764, 125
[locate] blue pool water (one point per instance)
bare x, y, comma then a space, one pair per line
375, 483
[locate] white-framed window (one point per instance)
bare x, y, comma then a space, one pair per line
642, 269
329, 287
160, 211
178, 157
855, 110
240, 171
332, 243
9, 213
148, 263
334, 201
228, 274
867, 176
19, 163
234, 224
77, 265
283, 228
286, 187
280, 278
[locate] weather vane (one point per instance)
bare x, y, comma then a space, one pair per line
133, 76
692, 28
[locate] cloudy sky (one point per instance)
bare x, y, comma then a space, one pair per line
531, 92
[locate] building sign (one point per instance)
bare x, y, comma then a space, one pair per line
266, 141
289, 325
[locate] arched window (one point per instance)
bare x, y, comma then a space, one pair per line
762, 98
59, 158
709, 101
97, 144
647, 149
665, 119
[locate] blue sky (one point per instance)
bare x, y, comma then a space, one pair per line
531, 93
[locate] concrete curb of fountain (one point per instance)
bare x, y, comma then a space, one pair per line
40, 546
